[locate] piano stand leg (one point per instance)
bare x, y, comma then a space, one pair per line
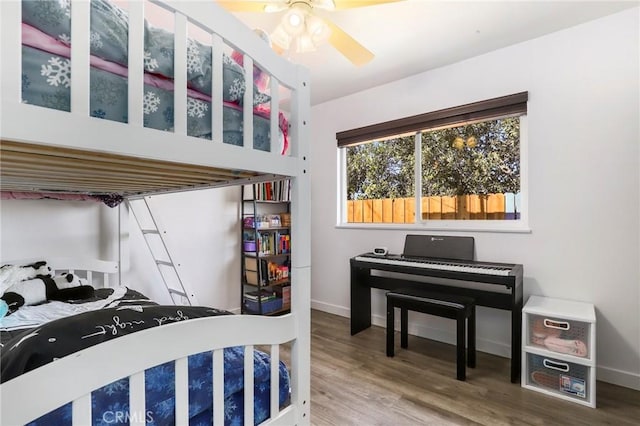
390, 329
471, 339
404, 326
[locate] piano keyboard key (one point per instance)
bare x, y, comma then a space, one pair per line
439, 265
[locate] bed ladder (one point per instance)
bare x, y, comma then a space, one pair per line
178, 291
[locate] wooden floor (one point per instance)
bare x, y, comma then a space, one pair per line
354, 383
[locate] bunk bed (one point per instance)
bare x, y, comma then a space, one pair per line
64, 138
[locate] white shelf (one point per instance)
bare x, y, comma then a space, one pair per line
568, 309
559, 348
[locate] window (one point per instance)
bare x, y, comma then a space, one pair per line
380, 181
465, 163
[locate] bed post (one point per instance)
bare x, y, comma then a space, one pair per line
123, 239
301, 261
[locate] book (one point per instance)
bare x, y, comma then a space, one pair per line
263, 296
279, 190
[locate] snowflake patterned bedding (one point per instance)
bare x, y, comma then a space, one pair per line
123, 312
46, 74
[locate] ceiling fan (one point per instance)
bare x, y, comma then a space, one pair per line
303, 29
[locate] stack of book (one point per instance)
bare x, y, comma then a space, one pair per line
284, 243
262, 302
263, 295
273, 191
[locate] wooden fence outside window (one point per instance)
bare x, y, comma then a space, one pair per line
402, 210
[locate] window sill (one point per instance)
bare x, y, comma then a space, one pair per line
444, 226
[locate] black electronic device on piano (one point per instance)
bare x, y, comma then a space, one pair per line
445, 247
449, 260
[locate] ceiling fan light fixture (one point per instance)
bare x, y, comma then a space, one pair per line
299, 19
305, 44
317, 29
281, 38
302, 28
293, 21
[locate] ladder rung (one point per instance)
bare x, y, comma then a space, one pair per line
163, 262
178, 292
150, 231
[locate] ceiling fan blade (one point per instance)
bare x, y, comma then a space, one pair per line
350, 4
348, 46
252, 5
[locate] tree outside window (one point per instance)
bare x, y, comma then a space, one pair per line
468, 172
381, 169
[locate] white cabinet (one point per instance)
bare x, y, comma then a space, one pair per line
559, 349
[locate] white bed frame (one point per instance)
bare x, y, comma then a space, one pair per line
118, 354
74, 377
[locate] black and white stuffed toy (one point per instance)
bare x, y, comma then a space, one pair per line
12, 274
43, 288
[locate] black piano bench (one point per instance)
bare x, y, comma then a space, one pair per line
460, 308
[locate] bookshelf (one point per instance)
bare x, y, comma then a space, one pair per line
266, 248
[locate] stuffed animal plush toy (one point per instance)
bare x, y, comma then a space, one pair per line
43, 288
13, 274
68, 280
69, 286
4, 309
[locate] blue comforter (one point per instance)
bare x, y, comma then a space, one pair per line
46, 74
110, 404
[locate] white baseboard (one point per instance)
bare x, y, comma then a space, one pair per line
606, 374
618, 377
495, 348
445, 336
331, 309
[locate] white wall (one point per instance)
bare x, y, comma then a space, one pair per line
32, 228
203, 236
583, 134
202, 231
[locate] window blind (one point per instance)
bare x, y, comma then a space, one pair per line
509, 105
